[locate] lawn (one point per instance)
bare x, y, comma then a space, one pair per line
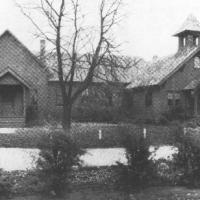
154, 193
86, 135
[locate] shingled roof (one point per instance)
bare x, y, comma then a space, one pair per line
155, 73
190, 24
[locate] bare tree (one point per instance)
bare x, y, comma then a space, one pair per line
80, 51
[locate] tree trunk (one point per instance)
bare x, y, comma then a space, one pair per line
66, 119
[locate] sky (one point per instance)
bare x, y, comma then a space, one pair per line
146, 29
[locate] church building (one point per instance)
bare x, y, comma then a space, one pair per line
171, 84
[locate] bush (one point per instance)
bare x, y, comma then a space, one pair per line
31, 114
193, 123
163, 120
5, 185
175, 113
98, 114
56, 162
187, 161
141, 169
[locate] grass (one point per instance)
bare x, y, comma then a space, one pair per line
154, 193
86, 135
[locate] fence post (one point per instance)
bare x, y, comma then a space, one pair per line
144, 133
184, 131
100, 134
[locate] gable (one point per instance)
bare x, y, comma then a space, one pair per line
9, 35
8, 79
15, 56
185, 78
8, 76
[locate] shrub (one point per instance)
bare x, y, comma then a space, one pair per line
56, 162
92, 113
187, 161
31, 114
193, 123
5, 185
175, 113
140, 170
163, 120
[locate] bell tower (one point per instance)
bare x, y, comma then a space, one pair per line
189, 33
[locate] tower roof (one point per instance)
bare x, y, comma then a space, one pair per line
190, 24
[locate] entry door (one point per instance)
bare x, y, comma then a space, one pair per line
11, 102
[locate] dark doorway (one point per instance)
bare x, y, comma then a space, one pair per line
11, 101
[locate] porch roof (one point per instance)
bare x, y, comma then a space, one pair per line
192, 85
8, 70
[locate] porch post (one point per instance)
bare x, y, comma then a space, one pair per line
196, 103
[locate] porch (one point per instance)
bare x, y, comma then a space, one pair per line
13, 99
12, 105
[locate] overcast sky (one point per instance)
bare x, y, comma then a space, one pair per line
146, 31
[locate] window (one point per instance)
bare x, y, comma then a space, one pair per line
177, 98
197, 62
59, 100
148, 98
170, 99
173, 98
85, 92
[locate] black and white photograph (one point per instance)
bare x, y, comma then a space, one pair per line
100, 100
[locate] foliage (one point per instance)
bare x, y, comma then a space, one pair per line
141, 169
99, 114
187, 161
31, 114
5, 185
57, 160
175, 113
193, 123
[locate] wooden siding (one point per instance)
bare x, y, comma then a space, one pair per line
176, 82
14, 56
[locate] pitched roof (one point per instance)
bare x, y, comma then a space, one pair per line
7, 32
190, 24
155, 73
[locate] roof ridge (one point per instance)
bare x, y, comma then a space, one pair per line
158, 73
